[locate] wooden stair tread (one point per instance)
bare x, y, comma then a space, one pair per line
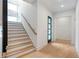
13, 22
19, 45
14, 39
15, 29
16, 43
17, 35
20, 25
21, 40
14, 32
15, 26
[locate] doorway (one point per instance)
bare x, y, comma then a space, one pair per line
49, 29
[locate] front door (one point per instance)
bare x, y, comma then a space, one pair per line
49, 29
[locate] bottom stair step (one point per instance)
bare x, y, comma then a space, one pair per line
18, 48
20, 53
25, 53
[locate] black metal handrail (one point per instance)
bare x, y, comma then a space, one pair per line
29, 25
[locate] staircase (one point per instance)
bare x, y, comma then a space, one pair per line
19, 43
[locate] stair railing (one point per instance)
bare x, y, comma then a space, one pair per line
29, 24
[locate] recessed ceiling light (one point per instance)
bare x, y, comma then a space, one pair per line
62, 6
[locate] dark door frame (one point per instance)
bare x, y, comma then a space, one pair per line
49, 29
4, 22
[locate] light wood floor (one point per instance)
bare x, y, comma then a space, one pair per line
54, 50
0, 54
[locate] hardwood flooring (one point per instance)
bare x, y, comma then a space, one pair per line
54, 50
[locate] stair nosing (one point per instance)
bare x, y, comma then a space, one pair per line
12, 36
18, 34
15, 32
18, 43
14, 39
15, 29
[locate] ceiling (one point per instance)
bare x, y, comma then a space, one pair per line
54, 5
30, 1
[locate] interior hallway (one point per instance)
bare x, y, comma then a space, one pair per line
54, 50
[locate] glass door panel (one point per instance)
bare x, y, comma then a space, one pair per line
49, 29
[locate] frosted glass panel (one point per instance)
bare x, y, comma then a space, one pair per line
10, 18
12, 7
49, 37
49, 20
49, 26
13, 1
13, 10
49, 31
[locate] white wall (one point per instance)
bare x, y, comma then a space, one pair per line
30, 13
65, 25
0, 28
0, 12
37, 16
43, 14
77, 27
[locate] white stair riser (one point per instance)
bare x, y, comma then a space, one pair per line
18, 38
